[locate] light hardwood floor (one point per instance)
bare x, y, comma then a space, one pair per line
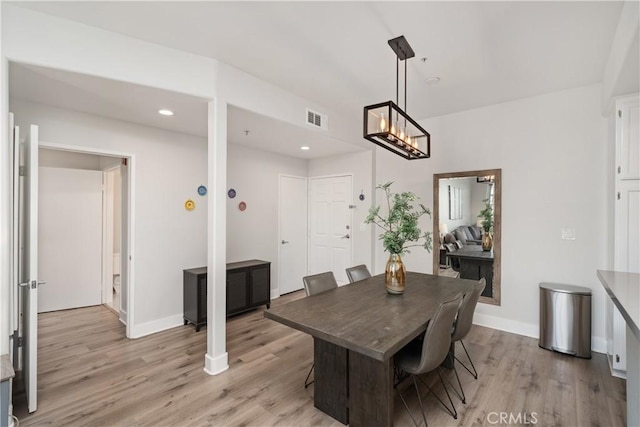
90, 375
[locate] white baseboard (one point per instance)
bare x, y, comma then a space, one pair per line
154, 326
507, 325
598, 344
615, 372
275, 293
216, 365
123, 316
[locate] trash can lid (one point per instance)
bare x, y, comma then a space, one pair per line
567, 289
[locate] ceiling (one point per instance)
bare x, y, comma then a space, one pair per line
336, 54
140, 104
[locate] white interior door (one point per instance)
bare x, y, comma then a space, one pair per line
330, 226
70, 238
292, 256
29, 283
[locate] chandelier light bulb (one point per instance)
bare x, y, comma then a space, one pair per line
383, 122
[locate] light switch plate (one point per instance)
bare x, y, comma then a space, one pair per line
568, 234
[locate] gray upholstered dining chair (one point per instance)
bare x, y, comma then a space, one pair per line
422, 356
357, 273
314, 285
462, 326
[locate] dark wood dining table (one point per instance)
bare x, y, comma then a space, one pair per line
475, 264
357, 329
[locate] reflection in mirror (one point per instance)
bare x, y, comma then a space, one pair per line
468, 214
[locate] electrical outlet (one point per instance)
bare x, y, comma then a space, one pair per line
568, 234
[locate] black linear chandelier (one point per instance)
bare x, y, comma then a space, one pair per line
390, 127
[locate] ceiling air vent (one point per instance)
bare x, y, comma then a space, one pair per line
317, 120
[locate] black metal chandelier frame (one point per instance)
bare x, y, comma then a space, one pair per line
399, 133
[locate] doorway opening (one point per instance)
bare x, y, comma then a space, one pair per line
93, 225
111, 238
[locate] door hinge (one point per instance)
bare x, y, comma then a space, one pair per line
20, 342
619, 113
21, 171
617, 358
618, 195
619, 169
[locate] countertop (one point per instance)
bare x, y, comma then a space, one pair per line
624, 290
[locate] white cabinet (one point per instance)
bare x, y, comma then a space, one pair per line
627, 218
627, 138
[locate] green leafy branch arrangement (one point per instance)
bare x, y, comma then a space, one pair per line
401, 224
487, 217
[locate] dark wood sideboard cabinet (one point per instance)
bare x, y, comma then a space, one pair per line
248, 287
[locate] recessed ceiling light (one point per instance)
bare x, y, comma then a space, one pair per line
165, 112
304, 147
432, 80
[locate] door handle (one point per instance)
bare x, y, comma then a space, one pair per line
346, 236
33, 284
284, 242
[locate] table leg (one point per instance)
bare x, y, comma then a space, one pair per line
330, 376
370, 391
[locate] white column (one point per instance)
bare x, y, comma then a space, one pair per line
216, 359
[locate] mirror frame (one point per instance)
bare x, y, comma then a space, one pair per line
497, 227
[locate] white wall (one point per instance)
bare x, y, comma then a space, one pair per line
479, 192
39, 39
254, 174
6, 203
359, 165
464, 184
552, 150
64, 159
473, 194
169, 168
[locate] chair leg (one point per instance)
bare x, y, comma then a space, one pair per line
404, 402
452, 411
424, 417
306, 381
474, 373
460, 393
462, 396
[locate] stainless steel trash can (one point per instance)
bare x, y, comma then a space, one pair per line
565, 319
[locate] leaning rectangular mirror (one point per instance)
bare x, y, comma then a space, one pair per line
467, 227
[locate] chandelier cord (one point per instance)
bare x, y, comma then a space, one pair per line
397, 79
405, 86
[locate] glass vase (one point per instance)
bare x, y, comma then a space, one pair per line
395, 275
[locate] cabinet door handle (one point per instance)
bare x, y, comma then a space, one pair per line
284, 242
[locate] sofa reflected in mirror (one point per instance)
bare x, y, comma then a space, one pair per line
467, 208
